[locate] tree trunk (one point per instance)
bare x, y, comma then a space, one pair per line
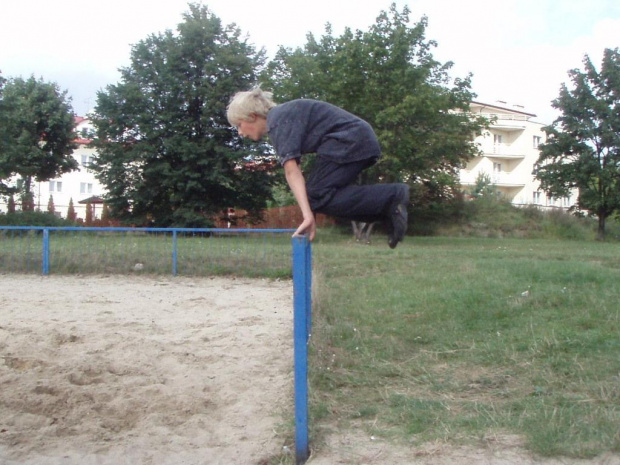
27, 196
601, 227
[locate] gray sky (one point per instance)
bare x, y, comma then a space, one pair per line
519, 51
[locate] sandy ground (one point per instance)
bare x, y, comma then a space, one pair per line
139, 370
143, 370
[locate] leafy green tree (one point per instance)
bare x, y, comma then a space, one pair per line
388, 76
167, 154
4, 140
36, 134
582, 150
483, 186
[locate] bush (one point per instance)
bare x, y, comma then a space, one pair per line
29, 218
492, 217
559, 224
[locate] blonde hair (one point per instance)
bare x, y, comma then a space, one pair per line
244, 104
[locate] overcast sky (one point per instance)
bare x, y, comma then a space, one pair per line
519, 51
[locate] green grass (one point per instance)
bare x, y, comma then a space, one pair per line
249, 255
457, 339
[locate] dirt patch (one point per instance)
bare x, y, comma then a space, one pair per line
355, 448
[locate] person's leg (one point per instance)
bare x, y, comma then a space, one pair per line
366, 203
327, 177
331, 191
398, 217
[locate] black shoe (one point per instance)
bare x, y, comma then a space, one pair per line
398, 217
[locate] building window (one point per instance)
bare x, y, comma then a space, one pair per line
86, 188
536, 141
55, 186
497, 173
497, 143
536, 197
86, 159
87, 133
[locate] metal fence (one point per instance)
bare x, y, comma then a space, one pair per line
187, 251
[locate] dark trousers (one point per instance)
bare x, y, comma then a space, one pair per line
331, 190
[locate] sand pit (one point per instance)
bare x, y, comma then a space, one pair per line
143, 370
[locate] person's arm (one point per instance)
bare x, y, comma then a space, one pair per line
297, 183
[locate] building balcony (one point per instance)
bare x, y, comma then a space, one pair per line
502, 151
508, 122
503, 179
506, 180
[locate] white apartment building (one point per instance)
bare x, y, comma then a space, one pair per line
510, 154
79, 186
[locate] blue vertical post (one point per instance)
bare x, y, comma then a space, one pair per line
46, 252
302, 300
308, 287
174, 253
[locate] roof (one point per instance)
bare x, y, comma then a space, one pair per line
91, 200
79, 120
504, 107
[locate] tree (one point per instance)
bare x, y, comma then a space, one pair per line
484, 186
51, 208
4, 140
389, 77
36, 134
71, 214
582, 150
90, 216
105, 215
167, 154
27, 201
11, 205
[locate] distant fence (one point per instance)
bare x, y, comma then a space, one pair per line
188, 251
277, 217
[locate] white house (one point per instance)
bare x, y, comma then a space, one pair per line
510, 155
79, 185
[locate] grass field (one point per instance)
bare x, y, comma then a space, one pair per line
198, 254
460, 339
